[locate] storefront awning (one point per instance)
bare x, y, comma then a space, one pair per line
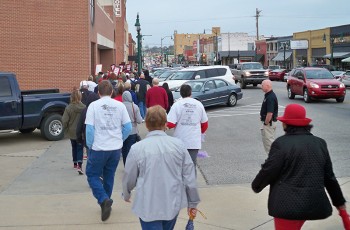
280, 56
338, 55
346, 60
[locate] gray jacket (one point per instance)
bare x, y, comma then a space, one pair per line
163, 173
133, 111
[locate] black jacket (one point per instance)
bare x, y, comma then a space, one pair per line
141, 94
81, 127
298, 170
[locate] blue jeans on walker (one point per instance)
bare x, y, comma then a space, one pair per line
142, 106
127, 145
159, 224
102, 163
77, 151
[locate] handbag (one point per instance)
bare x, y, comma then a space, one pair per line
138, 137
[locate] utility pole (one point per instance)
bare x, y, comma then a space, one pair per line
257, 15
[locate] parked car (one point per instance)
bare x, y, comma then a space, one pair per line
159, 71
313, 82
346, 78
31, 109
213, 92
199, 72
271, 68
250, 73
338, 74
277, 74
285, 78
166, 75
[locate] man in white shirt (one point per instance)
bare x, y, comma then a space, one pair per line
190, 120
107, 126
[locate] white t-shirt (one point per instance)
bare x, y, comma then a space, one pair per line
107, 116
188, 114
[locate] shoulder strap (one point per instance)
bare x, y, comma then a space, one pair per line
133, 111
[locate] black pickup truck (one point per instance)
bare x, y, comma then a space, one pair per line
31, 109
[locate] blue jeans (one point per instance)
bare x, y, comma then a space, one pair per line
159, 224
77, 151
102, 163
142, 106
127, 145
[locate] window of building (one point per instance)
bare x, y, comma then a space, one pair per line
92, 11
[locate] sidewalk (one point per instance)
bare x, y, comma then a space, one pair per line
50, 194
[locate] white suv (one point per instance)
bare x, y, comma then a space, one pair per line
199, 72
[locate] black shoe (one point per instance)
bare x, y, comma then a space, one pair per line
106, 208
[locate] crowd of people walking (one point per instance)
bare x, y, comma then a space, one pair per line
103, 117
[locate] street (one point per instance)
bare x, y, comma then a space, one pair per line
39, 189
234, 144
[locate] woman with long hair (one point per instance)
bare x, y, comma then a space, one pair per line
170, 96
70, 120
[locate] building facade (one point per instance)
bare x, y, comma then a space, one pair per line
46, 50
325, 46
284, 55
195, 42
261, 50
231, 44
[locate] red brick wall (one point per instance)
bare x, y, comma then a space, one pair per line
105, 26
132, 47
261, 49
46, 43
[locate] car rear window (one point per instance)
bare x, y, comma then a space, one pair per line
212, 73
222, 71
252, 66
183, 75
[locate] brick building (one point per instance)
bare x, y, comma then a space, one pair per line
56, 44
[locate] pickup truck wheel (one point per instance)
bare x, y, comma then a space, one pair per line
25, 131
232, 100
291, 95
52, 127
243, 84
340, 99
307, 98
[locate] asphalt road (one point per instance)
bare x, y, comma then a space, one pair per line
233, 143
233, 140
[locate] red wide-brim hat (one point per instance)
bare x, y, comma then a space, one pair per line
295, 115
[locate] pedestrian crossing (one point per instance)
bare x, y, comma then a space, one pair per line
252, 109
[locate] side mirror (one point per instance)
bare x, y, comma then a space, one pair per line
206, 89
197, 77
238, 67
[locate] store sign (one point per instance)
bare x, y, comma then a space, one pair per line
299, 44
117, 8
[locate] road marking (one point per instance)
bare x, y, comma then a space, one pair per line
252, 109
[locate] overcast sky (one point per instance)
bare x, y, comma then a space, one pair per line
160, 18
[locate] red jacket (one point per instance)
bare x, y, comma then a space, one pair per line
157, 96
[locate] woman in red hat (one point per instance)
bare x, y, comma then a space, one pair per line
298, 169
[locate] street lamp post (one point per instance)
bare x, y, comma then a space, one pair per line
331, 43
332, 39
284, 46
161, 47
138, 29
